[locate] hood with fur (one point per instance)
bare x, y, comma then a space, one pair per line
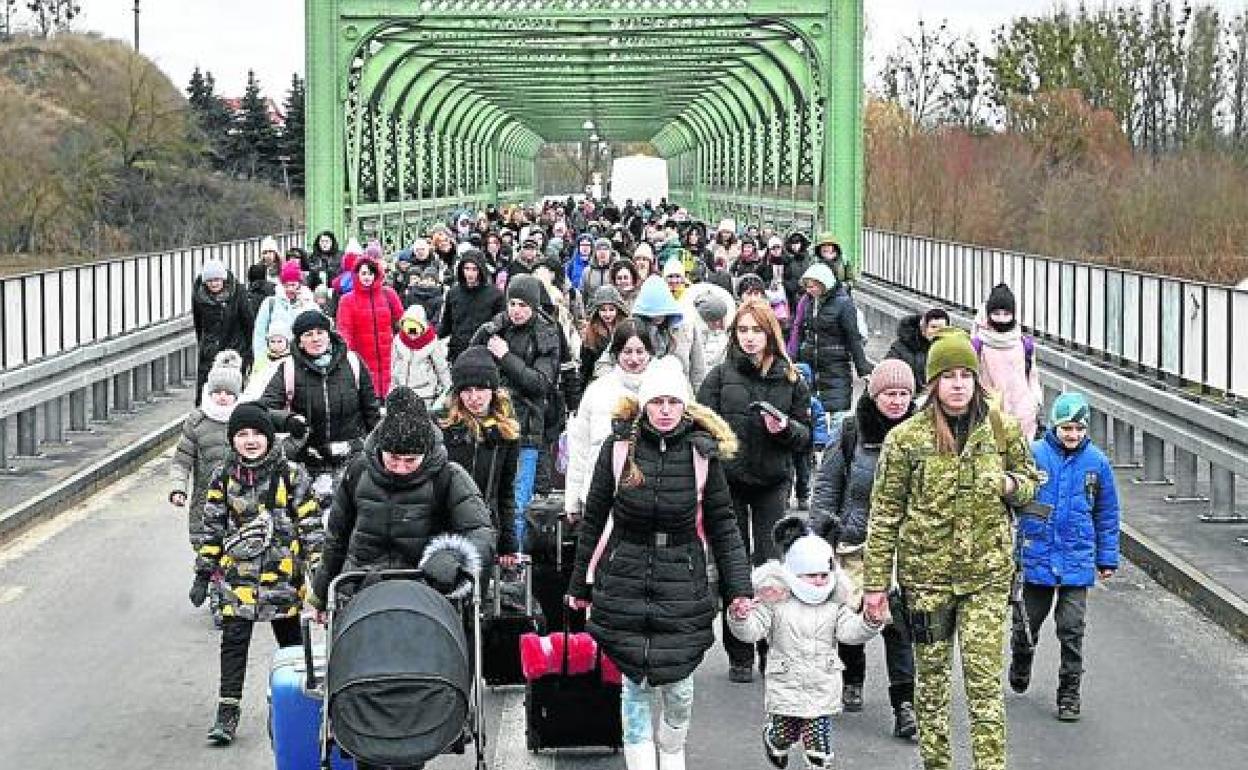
716, 439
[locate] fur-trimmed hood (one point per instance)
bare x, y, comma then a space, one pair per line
712, 434
465, 553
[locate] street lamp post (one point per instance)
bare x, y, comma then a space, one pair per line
136, 25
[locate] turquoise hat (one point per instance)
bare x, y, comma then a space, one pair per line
1071, 407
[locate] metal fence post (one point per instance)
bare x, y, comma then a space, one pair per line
28, 433
123, 392
1124, 444
1154, 462
1185, 465
1222, 491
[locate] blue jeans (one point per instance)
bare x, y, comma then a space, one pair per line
526, 475
636, 703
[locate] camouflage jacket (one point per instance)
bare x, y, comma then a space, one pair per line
941, 515
271, 584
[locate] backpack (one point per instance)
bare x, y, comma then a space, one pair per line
1029, 350
288, 375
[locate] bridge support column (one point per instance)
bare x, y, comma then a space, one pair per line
1154, 462
123, 392
1124, 445
1222, 490
1099, 428
99, 401
28, 433
142, 376
78, 411
1185, 479
190, 365
53, 422
4, 444
160, 376
1050, 395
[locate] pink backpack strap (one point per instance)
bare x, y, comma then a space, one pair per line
700, 468
288, 375
619, 458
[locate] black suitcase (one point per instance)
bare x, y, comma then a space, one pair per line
572, 711
510, 614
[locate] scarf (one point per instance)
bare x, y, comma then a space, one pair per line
420, 341
214, 412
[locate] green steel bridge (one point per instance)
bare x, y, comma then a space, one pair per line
417, 107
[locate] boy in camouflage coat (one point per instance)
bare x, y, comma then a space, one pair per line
939, 509
263, 532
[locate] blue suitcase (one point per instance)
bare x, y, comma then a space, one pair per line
295, 713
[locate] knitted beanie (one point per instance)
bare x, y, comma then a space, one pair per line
213, 270
1001, 298
414, 320
711, 308
664, 377
606, 295
226, 373
269, 243
309, 320
406, 428
290, 272
250, 414
527, 289
890, 374
474, 368
279, 327
1071, 407
951, 350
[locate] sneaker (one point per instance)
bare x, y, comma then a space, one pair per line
222, 733
1020, 673
1068, 699
905, 725
775, 756
851, 697
741, 674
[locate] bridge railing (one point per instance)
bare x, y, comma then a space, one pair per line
48, 312
1183, 330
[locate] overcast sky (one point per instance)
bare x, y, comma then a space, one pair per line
228, 37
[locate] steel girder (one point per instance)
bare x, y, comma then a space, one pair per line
422, 106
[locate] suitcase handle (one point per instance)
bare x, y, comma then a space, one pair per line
306, 632
525, 567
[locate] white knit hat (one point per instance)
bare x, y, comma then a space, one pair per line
809, 554
268, 244
664, 377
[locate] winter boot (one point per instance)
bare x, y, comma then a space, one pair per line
222, 733
851, 697
1068, 698
672, 746
777, 756
1020, 672
640, 756
741, 674
901, 696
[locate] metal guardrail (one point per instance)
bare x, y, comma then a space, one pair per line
1198, 431
1181, 330
49, 312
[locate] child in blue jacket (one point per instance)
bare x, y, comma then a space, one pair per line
1065, 555
820, 437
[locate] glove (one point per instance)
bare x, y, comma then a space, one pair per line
297, 426
442, 571
199, 589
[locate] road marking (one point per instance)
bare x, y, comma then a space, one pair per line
11, 593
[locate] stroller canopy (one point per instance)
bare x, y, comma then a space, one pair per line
399, 674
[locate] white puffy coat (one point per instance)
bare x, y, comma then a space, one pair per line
424, 371
803, 669
590, 428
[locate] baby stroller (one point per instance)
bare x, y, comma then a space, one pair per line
404, 682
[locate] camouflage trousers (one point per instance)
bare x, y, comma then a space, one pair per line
980, 636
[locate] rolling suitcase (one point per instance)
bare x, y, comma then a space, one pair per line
553, 547
295, 710
566, 710
505, 622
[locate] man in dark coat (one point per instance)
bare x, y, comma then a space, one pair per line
221, 317
471, 302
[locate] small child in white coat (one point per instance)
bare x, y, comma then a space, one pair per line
799, 610
418, 358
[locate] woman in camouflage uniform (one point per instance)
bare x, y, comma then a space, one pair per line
939, 510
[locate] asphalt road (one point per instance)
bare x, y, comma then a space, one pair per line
104, 664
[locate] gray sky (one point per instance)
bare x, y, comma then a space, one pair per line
230, 36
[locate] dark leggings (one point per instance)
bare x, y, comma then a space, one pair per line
235, 641
758, 509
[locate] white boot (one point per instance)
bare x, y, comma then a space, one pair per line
639, 756
672, 746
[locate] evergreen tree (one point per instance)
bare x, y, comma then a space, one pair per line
291, 144
254, 141
211, 115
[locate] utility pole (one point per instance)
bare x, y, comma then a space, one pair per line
136, 26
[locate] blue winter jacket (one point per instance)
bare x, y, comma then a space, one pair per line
1082, 532
820, 436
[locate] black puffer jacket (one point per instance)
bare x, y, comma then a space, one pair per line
491, 461
911, 346
222, 321
530, 370
829, 341
322, 265
382, 521
795, 266
337, 409
466, 308
653, 609
764, 459
843, 490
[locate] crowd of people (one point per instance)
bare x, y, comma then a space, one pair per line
688, 397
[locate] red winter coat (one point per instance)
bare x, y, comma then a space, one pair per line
367, 318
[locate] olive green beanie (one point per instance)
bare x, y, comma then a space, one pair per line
952, 349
